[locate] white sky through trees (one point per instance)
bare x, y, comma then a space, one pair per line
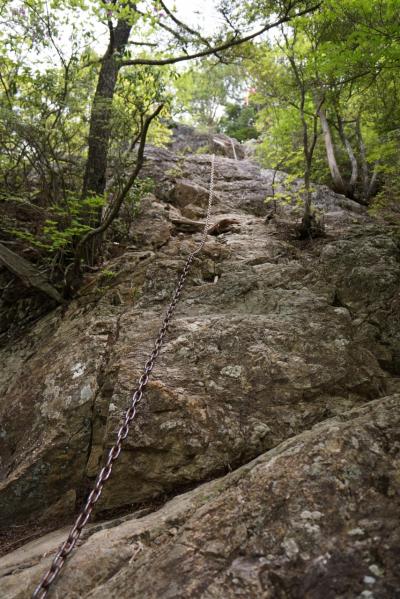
198, 12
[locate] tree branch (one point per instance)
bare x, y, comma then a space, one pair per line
183, 25
164, 26
28, 273
221, 47
150, 44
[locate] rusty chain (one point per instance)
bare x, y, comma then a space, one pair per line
105, 473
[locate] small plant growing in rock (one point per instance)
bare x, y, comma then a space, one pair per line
177, 170
203, 150
134, 294
106, 277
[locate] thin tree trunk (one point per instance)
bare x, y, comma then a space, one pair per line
351, 155
306, 222
364, 163
338, 183
373, 184
306, 228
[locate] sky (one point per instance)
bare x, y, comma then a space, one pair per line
201, 15
200, 12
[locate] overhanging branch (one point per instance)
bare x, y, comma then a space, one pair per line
221, 47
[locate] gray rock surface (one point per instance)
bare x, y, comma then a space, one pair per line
272, 337
187, 140
315, 517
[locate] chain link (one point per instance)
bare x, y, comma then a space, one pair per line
105, 473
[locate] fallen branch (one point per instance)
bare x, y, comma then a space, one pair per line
28, 273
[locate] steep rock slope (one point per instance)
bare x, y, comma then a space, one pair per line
316, 517
272, 336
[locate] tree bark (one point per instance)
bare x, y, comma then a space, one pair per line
373, 184
364, 163
353, 160
100, 119
307, 222
338, 183
306, 228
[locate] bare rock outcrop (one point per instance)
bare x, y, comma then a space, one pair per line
187, 140
315, 517
272, 337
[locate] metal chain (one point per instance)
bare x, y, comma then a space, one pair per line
210, 199
105, 473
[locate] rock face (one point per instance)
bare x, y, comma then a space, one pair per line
272, 337
186, 140
315, 517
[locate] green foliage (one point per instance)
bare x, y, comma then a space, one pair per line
346, 54
106, 278
70, 221
204, 90
63, 225
387, 200
291, 191
139, 190
136, 93
239, 121
45, 107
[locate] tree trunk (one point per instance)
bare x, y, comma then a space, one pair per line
373, 184
307, 229
74, 272
353, 160
306, 222
338, 183
100, 118
364, 163
94, 181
